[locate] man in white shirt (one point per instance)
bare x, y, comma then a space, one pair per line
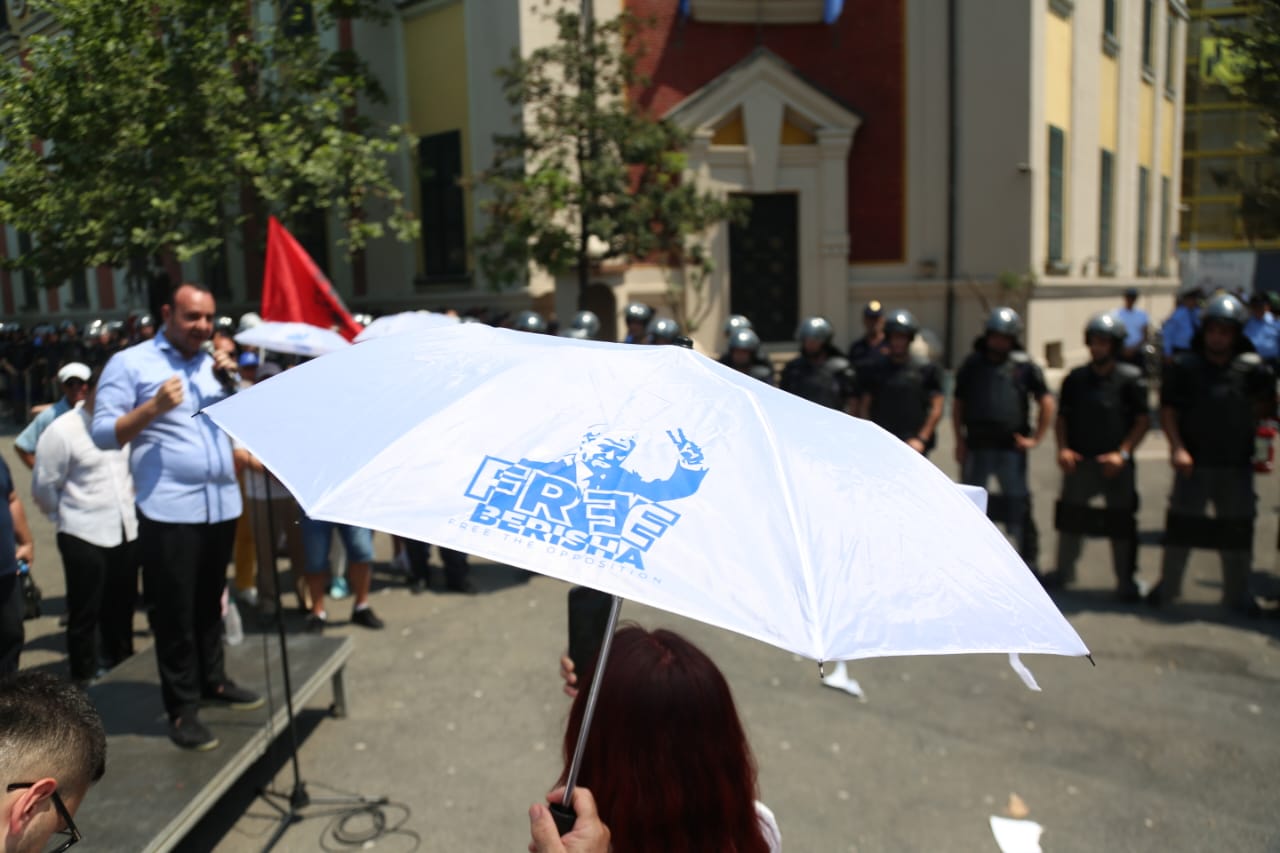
88, 493
1135, 322
71, 379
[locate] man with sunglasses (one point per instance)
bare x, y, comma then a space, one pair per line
73, 379
52, 749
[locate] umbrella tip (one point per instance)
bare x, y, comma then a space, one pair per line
1091, 660
821, 670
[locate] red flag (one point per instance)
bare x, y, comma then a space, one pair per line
294, 290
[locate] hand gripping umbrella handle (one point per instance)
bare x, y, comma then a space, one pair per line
564, 816
563, 811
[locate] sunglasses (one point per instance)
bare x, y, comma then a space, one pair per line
69, 830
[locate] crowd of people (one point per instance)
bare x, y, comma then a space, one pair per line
139, 488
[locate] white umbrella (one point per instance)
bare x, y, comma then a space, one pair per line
406, 322
292, 338
655, 474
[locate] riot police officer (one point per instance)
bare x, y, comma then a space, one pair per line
874, 344
637, 316
991, 415
663, 330
901, 393
819, 373
1210, 403
1102, 416
530, 321
744, 355
584, 326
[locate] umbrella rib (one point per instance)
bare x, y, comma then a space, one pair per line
806, 569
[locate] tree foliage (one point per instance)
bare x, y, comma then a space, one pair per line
589, 177
142, 126
1258, 46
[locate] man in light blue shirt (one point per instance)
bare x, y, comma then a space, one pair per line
188, 501
1135, 322
1182, 324
1261, 329
73, 379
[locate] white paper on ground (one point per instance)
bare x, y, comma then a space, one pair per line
1016, 836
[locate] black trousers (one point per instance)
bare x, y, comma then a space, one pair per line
455, 562
184, 571
102, 589
12, 634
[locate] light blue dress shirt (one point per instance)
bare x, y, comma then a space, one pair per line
30, 437
1180, 328
1135, 321
1265, 336
181, 464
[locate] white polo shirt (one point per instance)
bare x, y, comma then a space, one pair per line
88, 492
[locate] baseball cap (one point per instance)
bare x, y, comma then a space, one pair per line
74, 370
248, 359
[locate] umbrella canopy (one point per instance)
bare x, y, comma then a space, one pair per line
406, 322
292, 338
655, 474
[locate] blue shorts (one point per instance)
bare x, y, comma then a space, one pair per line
317, 536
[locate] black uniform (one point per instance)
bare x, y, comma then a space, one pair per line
830, 383
902, 394
862, 352
1097, 412
760, 367
1217, 408
996, 397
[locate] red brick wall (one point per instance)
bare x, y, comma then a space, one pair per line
859, 60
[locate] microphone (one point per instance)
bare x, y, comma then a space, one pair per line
229, 378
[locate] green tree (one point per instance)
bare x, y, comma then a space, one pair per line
589, 177
1256, 46
138, 127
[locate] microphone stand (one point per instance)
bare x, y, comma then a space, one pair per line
289, 805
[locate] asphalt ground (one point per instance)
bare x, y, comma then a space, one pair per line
1168, 743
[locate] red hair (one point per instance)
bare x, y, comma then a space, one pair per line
666, 757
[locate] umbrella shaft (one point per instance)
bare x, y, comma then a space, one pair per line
594, 693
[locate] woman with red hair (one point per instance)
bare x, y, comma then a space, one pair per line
666, 756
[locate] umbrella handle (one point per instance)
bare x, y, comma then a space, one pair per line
590, 709
564, 816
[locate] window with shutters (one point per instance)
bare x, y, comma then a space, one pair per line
444, 225
1106, 210
1144, 210
1057, 191
1166, 214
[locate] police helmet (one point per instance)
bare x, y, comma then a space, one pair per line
67, 326
115, 327
587, 322
95, 328
529, 321
873, 309
248, 320
1106, 324
683, 341
224, 325
735, 322
146, 320
814, 328
363, 319
663, 329
746, 339
1004, 321
903, 322
638, 312
1225, 308
576, 334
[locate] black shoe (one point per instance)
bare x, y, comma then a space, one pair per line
233, 696
417, 586
315, 624
464, 587
365, 617
1128, 595
189, 733
1156, 596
